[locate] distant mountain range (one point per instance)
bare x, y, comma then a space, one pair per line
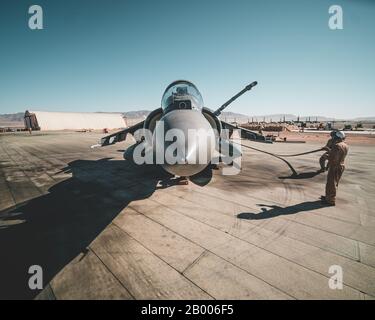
12, 120
16, 119
137, 114
242, 117
12, 117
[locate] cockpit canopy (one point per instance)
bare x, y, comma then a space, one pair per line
181, 94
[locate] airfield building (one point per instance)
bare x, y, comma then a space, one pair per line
46, 121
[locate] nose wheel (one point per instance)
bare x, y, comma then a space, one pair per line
183, 181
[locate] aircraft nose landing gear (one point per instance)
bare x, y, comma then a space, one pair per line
183, 181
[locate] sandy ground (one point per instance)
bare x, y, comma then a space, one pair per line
103, 228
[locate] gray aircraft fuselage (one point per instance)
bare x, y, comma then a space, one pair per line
183, 129
196, 143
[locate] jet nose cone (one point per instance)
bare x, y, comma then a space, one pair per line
189, 142
190, 163
189, 156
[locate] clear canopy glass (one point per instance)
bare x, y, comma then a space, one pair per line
181, 94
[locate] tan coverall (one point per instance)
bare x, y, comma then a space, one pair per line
325, 156
336, 168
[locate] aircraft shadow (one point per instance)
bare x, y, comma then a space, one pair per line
275, 210
202, 178
53, 229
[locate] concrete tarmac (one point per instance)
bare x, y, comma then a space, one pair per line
103, 228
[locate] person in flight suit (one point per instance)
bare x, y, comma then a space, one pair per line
324, 158
336, 167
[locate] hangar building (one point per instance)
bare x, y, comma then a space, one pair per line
44, 120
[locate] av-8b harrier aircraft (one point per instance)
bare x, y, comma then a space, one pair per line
167, 128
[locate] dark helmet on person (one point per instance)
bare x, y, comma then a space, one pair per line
333, 133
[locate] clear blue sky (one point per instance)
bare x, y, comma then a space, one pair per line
116, 55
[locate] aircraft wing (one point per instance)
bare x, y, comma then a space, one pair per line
119, 136
246, 133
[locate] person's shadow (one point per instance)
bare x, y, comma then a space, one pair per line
275, 210
53, 229
303, 175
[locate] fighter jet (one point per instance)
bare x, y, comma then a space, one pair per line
181, 112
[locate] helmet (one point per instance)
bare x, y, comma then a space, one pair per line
340, 135
333, 133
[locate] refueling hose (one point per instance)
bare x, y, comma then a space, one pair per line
284, 155
280, 156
